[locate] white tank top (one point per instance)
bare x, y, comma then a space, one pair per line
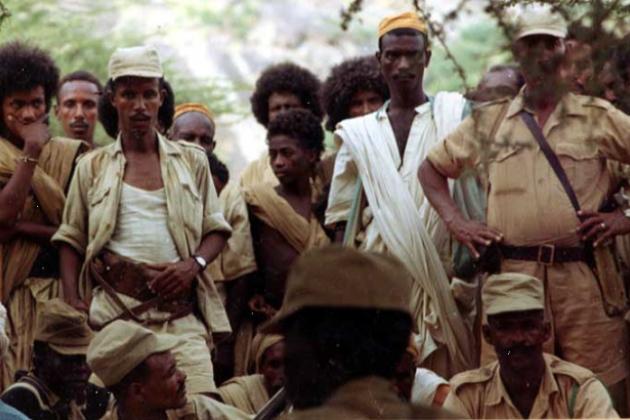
142, 229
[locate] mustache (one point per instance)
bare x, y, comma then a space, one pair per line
140, 117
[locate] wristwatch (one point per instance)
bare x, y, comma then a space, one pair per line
201, 261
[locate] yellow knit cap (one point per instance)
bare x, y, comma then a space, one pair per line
193, 107
407, 20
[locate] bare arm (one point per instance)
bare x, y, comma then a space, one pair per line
70, 262
467, 232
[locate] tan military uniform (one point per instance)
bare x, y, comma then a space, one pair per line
527, 204
198, 407
367, 398
566, 391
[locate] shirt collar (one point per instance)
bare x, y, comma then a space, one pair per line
570, 104
381, 113
166, 147
496, 392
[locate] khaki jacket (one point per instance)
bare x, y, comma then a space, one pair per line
89, 217
566, 391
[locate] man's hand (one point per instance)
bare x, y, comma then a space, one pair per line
470, 233
35, 135
602, 227
175, 279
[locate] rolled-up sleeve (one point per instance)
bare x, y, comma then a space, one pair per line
74, 224
213, 219
342, 188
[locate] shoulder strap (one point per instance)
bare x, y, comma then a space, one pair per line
552, 158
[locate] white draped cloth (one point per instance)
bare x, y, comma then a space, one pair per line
399, 219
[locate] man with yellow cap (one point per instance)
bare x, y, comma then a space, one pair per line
138, 367
194, 123
543, 212
524, 382
346, 322
143, 222
57, 387
250, 393
376, 203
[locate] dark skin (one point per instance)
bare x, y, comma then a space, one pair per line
26, 120
518, 339
272, 368
364, 102
293, 165
539, 57
283, 101
137, 101
163, 388
194, 127
402, 60
65, 375
77, 109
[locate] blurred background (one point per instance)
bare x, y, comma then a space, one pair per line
214, 50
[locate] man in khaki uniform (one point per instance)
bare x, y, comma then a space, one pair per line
142, 223
346, 321
528, 211
137, 366
525, 382
57, 387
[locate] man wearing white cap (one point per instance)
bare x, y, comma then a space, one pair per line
544, 153
143, 222
137, 366
525, 382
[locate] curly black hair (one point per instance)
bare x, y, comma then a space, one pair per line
24, 67
300, 125
346, 79
218, 168
108, 116
79, 75
289, 78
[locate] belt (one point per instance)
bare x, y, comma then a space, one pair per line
544, 254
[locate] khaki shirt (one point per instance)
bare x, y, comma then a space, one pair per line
199, 407
480, 393
89, 217
371, 397
526, 202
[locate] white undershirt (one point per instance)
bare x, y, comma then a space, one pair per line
142, 230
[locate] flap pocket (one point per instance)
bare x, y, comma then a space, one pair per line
577, 151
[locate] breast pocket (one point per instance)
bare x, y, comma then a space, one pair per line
582, 164
508, 172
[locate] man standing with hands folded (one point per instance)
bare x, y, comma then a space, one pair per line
142, 222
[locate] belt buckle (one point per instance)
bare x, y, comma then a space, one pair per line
543, 252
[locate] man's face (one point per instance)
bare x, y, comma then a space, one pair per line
289, 160
164, 388
497, 84
195, 128
272, 367
137, 101
517, 338
364, 102
580, 65
77, 109
24, 107
283, 101
66, 375
403, 59
541, 58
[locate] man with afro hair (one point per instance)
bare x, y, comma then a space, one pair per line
282, 220
279, 88
34, 172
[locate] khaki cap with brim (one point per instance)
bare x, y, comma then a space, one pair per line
540, 20
63, 328
337, 277
143, 61
121, 346
512, 292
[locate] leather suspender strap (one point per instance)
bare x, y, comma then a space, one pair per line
552, 158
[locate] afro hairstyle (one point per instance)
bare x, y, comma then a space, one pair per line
24, 67
285, 78
346, 79
108, 116
301, 125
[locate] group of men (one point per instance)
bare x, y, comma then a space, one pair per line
141, 282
